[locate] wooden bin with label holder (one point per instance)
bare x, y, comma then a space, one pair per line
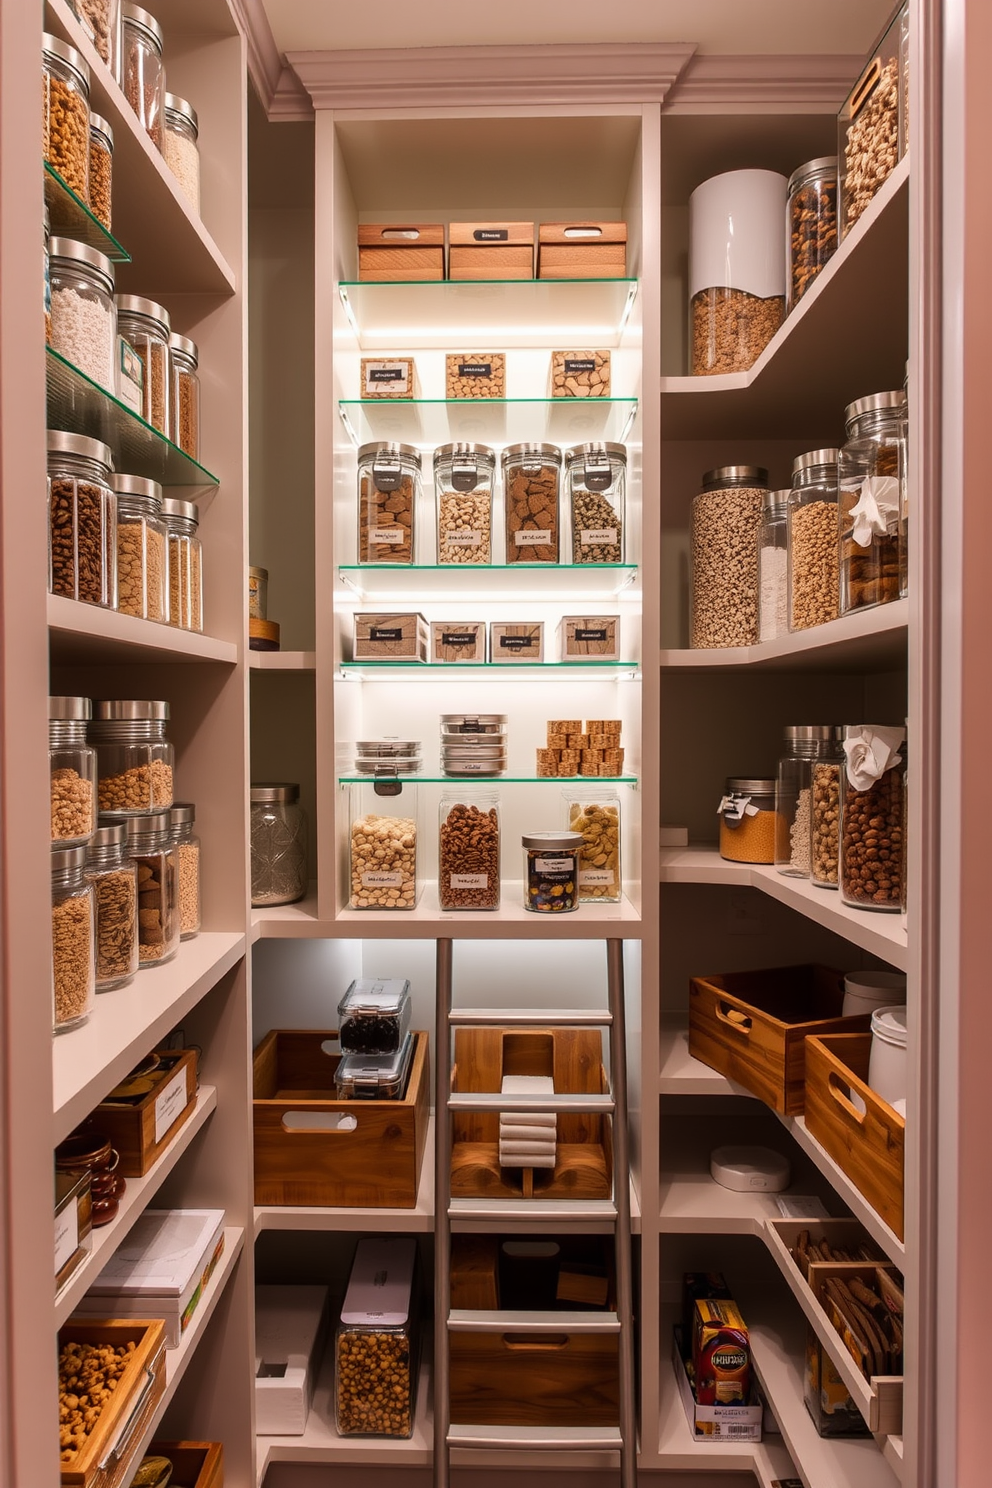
491, 250
400, 253
142, 1125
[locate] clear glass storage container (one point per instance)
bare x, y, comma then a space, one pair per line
374, 1016
812, 223
146, 327
531, 478
870, 126
84, 316
136, 761
48, 278
101, 20
82, 520
464, 486
595, 815
114, 876
551, 871
101, 186
737, 268
872, 476
182, 815
389, 482
73, 967
726, 516
374, 1076
597, 478
873, 818
383, 848
747, 820
66, 113
72, 767
773, 566
143, 68
825, 781
376, 1348
150, 846
468, 850
794, 795
180, 147
183, 563
141, 549
184, 395
278, 835
814, 584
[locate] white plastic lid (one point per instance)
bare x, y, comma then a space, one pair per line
750, 1168
381, 1284
889, 1025
868, 984
737, 236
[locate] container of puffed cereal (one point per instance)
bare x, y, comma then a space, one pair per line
383, 848
595, 814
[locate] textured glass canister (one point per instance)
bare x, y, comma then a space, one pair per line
143, 69
278, 838
73, 968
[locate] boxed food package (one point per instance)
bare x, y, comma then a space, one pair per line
714, 1423
389, 377
475, 374
404, 637
596, 636
376, 1352
831, 1407
289, 1336
491, 250
393, 252
523, 641
580, 374
721, 1353
458, 640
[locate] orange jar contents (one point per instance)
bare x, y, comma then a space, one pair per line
747, 820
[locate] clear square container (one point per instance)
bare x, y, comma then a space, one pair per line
374, 1016
376, 1351
872, 127
374, 1076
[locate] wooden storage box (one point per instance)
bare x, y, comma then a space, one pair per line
752, 1026
389, 377
491, 250
515, 642
580, 374
303, 1152
194, 1464
110, 1455
404, 637
582, 250
597, 636
458, 640
393, 252
73, 1224
475, 374
141, 1128
869, 1145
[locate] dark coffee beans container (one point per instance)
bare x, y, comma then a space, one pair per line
873, 838
374, 1016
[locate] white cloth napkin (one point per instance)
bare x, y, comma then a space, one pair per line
527, 1139
870, 753
877, 504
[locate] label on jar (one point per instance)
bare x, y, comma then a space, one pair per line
579, 364
377, 373
131, 382
532, 539
491, 234
598, 876
592, 635
170, 1104
463, 539
66, 1235
475, 369
597, 536
392, 633
458, 638
387, 534
554, 865
469, 880
514, 643
382, 880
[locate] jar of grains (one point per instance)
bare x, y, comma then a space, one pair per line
551, 871
101, 170
794, 795
597, 477
868, 126
812, 223
136, 761
747, 820
72, 765
773, 583
726, 516
84, 316
114, 877
184, 563
464, 484
182, 815
66, 113
737, 269
150, 846
872, 818
184, 395
595, 815
143, 68
146, 328
872, 475
180, 150
530, 497
101, 20
141, 557
824, 867
48, 279
813, 563
468, 850
388, 492
73, 969
82, 520
278, 836
384, 850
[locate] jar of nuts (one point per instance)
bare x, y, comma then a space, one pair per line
143, 68
82, 520
142, 587
530, 494
872, 818
72, 765
384, 850
184, 397
278, 838
468, 850
595, 815
813, 564
376, 1348
794, 795
596, 475
136, 760
551, 871
747, 820
184, 566
726, 516
737, 269
180, 147
871, 471
388, 492
464, 483
114, 877
66, 113
73, 969
812, 223
824, 867
871, 125
146, 327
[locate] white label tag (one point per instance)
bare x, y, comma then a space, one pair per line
387, 535
801, 1206
462, 539
596, 876
382, 880
131, 381
170, 1104
555, 865
469, 880
66, 1235
597, 536
532, 539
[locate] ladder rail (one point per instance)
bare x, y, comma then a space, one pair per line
621, 1197
442, 1222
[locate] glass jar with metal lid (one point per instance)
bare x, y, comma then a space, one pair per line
812, 212
141, 548
73, 970
383, 846
136, 761
551, 871
468, 850
773, 564
872, 476
531, 478
180, 149
873, 818
389, 482
182, 815
278, 840
594, 813
72, 767
114, 876
726, 516
151, 848
48, 279
825, 784
82, 520
143, 68
747, 820
84, 316
184, 395
184, 563
66, 113
597, 477
794, 795
101, 187
146, 328
464, 484
813, 562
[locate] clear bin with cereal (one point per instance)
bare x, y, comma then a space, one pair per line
794, 795
389, 481
383, 849
101, 20
597, 476
114, 877
872, 477
726, 516
773, 565
869, 142
82, 520
278, 842
72, 767
135, 759
101, 185
66, 113
468, 850
142, 589
146, 327
84, 316
824, 867
377, 1353
73, 966
812, 223
747, 820
184, 563
150, 847
814, 582
180, 147
595, 815
464, 485
737, 269
143, 68
184, 395
872, 818
182, 816
531, 475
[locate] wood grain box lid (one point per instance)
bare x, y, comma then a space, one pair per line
491, 234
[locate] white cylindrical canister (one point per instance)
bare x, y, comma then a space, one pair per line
887, 1069
737, 233
864, 991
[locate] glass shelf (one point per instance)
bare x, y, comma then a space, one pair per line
493, 669
78, 405
469, 780
494, 313
469, 580
429, 422
70, 217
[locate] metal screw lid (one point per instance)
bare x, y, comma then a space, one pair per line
531, 451
597, 447
176, 105
803, 733
389, 447
136, 485
69, 708
735, 475
144, 19
815, 457
563, 840
749, 785
873, 404
182, 813
129, 708
188, 510
773, 502
99, 125
70, 251
185, 346
108, 834
138, 305
60, 442
273, 793
55, 47
258, 573
824, 165
67, 857
149, 825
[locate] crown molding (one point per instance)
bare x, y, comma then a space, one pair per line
501, 76
276, 84
765, 84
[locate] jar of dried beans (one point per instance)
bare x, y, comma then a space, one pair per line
66, 113
468, 850
872, 476
824, 868
597, 477
464, 485
146, 328
143, 68
141, 556
136, 761
115, 889
747, 820
72, 765
184, 395
73, 970
773, 583
812, 223
180, 149
101, 170
726, 516
278, 839
182, 816
184, 563
872, 818
737, 270
84, 316
813, 565
794, 795
531, 475
82, 520
389, 482
150, 846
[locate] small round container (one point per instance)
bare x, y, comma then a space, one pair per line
114, 877
142, 587
84, 316
864, 991
66, 113
136, 760
812, 223
278, 836
551, 871
596, 476
888, 1066
389, 484
82, 520
184, 395
150, 846
258, 593
72, 765
737, 268
747, 820
182, 815
464, 486
726, 516
73, 969
183, 563
101, 171
458, 725
469, 850
388, 757
143, 68
146, 327
180, 150
773, 566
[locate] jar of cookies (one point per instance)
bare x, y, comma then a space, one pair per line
464, 485
531, 476
389, 483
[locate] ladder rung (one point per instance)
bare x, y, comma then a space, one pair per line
527, 1017
538, 1438
501, 1211
576, 1105
472, 1320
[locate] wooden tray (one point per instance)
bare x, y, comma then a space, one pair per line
384, 257
491, 250
752, 1027
869, 1145
375, 1163
566, 252
194, 1464
142, 1132
573, 1057
110, 1455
